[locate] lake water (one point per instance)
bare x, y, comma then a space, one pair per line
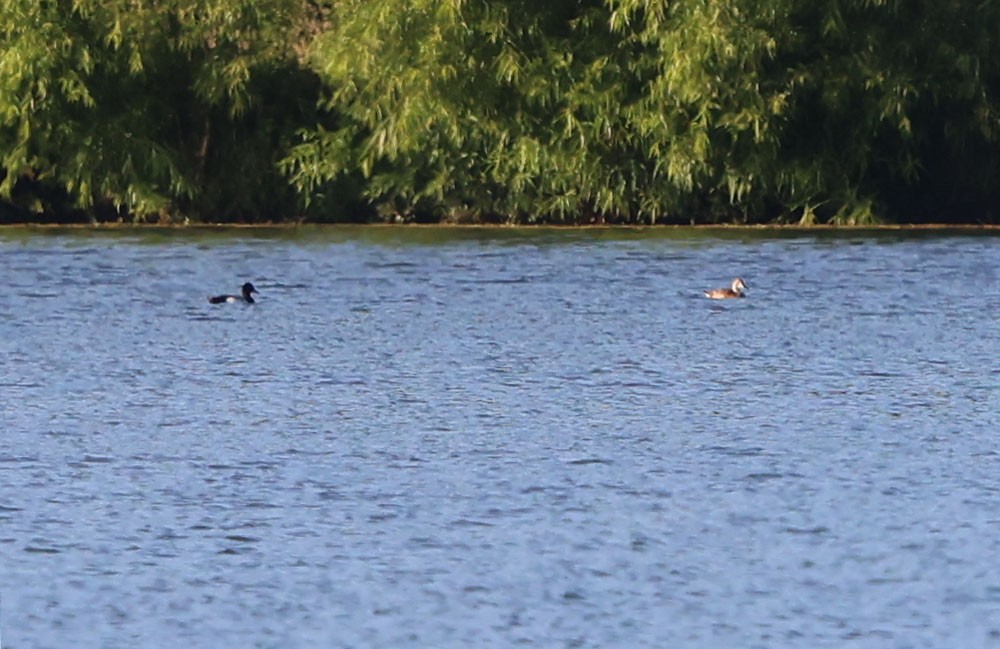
499, 438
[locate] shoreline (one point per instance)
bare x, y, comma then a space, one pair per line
291, 226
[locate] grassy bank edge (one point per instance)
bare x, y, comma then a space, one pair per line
221, 227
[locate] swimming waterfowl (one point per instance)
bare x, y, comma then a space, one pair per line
736, 290
246, 297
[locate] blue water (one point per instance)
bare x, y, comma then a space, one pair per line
490, 439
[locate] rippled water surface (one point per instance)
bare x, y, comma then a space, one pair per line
498, 439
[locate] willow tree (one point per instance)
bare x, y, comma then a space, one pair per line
893, 110
643, 109
152, 108
518, 109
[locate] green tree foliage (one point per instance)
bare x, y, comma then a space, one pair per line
832, 110
893, 110
150, 108
841, 111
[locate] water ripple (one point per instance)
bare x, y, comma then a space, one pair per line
547, 440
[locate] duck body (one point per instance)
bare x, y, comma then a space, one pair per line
245, 296
735, 290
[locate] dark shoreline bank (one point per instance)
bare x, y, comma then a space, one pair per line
287, 226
